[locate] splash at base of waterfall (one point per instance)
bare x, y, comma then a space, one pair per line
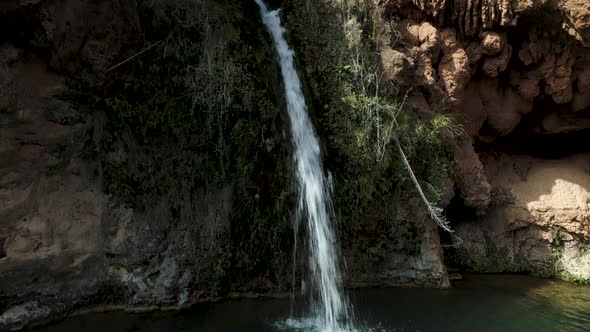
314, 325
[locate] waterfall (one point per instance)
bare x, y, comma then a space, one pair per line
330, 309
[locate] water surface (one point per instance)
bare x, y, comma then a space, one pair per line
477, 303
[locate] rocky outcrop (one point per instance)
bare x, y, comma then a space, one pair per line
386, 252
473, 17
508, 78
396, 65
473, 186
84, 49
523, 63
577, 19
88, 48
384, 244
51, 210
119, 187
64, 243
78, 229
539, 221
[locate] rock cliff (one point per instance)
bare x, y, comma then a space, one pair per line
514, 74
145, 162
144, 159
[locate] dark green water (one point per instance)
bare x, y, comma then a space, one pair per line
477, 303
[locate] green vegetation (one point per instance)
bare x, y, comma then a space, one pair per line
557, 243
361, 114
202, 114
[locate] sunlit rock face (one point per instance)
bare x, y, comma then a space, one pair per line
509, 71
540, 220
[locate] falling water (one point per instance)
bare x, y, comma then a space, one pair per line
330, 309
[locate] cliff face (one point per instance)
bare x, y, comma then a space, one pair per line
515, 74
117, 188
165, 180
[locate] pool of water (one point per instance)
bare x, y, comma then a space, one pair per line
498, 303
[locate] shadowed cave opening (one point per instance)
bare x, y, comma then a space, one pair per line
548, 131
545, 146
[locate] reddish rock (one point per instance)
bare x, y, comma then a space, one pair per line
493, 66
396, 65
453, 69
577, 23
493, 42
472, 110
473, 185
429, 38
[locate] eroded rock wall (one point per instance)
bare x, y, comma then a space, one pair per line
539, 220
164, 180
72, 230
509, 71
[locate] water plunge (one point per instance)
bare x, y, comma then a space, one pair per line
330, 309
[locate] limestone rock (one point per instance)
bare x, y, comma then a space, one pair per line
556, 193
413, 32
8, 53
453, 68
398, 264
503, 107
474, 52
548, 74
89, 37
542, 207
424, 68
448, 192
473, 110
493, 42
429, 37
475, 16
577, 22
396, 65
29, 311
581, 99
564, 122
526, 84
534, 50
493, 66
557, 71
575, 261
419, 103
473, 186
432, 7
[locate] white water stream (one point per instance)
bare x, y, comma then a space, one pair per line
330, 308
